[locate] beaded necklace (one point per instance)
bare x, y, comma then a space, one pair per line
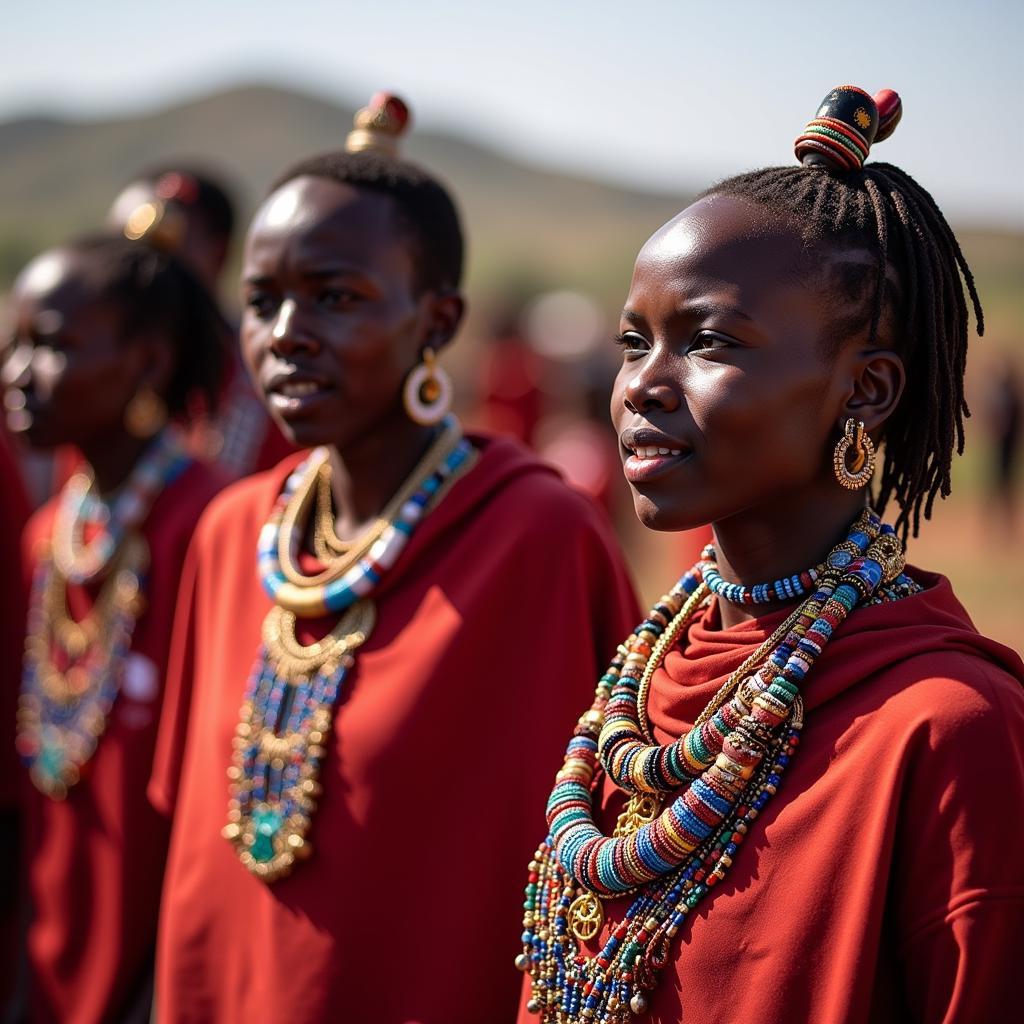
288, 710
73, 668
720, 774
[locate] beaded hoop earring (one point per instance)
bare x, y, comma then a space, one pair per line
428, 391
856, 476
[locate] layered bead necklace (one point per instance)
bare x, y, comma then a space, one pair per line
288, 710
73, 668
715, 779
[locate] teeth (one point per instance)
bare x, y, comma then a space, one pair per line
653, 453
298, 389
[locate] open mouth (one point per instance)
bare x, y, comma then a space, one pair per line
293, 395
651, 454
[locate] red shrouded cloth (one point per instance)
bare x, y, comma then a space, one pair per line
492, 628
885, 881
94, 861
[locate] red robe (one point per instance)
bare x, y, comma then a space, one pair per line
491, 629
885, 880
14, 511
95, 860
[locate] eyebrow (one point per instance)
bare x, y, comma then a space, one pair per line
696, 310
316, 274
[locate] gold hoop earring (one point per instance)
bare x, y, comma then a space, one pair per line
427, 394
145, 415
860, 472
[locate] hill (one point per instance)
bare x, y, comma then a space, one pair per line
527, 226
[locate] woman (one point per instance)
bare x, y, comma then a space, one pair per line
193, 215
775, 332
112, 339
349, 752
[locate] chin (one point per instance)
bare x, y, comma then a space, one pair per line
667, 517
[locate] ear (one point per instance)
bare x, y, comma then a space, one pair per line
877, 381
158, 360
444, 315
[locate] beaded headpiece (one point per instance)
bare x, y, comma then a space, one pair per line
847, 123
157, 223
160, 222
379, 125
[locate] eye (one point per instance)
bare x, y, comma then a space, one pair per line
261, 303
632, 344
337, 298
710, 341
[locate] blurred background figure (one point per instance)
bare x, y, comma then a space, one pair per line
190, 213
1006, 420
14, 512
111, 342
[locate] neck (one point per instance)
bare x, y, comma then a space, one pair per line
113, 459
779, 539
367, 474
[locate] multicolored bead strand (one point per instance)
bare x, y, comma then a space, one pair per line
288, 710
728, 766
73, 669
797, 585
348, 580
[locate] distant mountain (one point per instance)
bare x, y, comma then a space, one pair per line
526, 226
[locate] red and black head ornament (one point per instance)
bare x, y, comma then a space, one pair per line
840, 135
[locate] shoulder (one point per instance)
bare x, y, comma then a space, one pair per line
528, 495
243, 506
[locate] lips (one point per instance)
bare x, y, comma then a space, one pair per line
295, 392
651, 453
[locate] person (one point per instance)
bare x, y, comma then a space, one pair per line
344, 846
788, 799
190, 213
14, 512
111, 339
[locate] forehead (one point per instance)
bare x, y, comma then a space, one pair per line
53, 279
725, 240
314, 220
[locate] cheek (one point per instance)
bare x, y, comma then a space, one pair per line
760, 425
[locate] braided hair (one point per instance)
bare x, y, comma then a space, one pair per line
155, 291
880, 209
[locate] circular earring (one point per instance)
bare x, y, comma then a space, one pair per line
862, 468
428, 391
145, 415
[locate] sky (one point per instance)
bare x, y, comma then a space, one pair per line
651, 93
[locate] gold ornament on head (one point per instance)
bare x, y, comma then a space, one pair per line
156, 223
858, 474
379, 125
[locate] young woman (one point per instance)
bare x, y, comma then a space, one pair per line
111, 339
191, 214
709, 857
355, 748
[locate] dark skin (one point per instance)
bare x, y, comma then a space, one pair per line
71, 369
334, 321
727, 361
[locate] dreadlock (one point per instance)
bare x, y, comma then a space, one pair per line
880, 209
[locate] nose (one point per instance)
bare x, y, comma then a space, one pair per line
651, 386
287, 334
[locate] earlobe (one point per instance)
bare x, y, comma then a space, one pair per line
878, 386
